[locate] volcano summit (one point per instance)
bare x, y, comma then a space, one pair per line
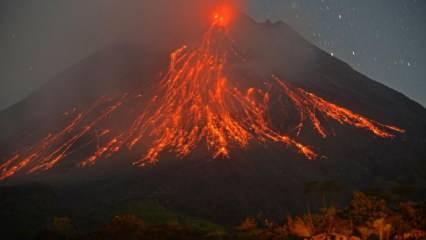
195, 105
239, 119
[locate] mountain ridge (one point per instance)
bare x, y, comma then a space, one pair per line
268, 179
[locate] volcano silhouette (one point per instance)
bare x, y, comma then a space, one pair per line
235, 123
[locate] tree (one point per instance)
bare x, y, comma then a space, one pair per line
123, 227
62, 225
301, 227
365, 208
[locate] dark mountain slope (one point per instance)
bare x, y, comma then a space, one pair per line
266, 179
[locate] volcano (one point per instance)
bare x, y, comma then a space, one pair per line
234, 123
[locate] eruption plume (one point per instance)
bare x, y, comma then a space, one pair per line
195, 106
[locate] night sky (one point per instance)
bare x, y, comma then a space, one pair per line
384, 39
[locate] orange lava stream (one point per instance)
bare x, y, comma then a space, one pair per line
309, 106
56, 146
195, 106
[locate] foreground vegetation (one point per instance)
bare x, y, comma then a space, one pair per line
366, 217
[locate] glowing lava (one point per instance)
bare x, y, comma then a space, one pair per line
222, 16
53, 148
196, 106
312, 108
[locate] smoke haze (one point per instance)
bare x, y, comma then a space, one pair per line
40, 39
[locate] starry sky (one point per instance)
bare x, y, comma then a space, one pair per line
383, 39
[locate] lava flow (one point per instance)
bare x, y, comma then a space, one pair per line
196, 106
309, 106
199, 105
56, 146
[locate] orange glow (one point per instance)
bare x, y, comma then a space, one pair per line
53, 148
313, 108
196, 106
223, 15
